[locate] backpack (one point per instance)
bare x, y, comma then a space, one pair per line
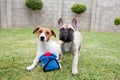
49, 62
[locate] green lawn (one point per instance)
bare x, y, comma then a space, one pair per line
99, 60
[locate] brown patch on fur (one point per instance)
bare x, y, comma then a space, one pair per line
48, 32
35, 30
53, 33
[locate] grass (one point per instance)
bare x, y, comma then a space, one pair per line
99, 60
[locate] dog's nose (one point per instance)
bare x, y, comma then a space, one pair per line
42, 38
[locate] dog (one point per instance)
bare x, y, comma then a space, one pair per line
71, 41
45, 45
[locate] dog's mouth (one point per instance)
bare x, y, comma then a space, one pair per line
66, 39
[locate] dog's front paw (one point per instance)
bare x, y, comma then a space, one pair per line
74, 72
29, 68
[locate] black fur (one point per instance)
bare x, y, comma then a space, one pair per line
66, 35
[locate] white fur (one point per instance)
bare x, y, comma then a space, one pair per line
43, 47
43, 35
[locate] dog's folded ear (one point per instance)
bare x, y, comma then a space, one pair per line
36, 29
60, 22
53, 33
74, 23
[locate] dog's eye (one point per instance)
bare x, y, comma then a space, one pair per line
47, 32
71, 30
62, 29
40, 31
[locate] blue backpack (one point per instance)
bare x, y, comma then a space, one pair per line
49, 62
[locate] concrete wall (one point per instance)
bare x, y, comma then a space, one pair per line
99, 16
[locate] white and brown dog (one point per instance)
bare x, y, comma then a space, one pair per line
45, 45
71, 41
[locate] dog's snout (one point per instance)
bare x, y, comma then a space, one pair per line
42, 38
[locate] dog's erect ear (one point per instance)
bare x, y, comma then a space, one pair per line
74, 23
36, 29
60, 22
53, 33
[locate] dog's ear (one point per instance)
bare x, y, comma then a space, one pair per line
36, 29
53, 33
74, 23
60, 22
